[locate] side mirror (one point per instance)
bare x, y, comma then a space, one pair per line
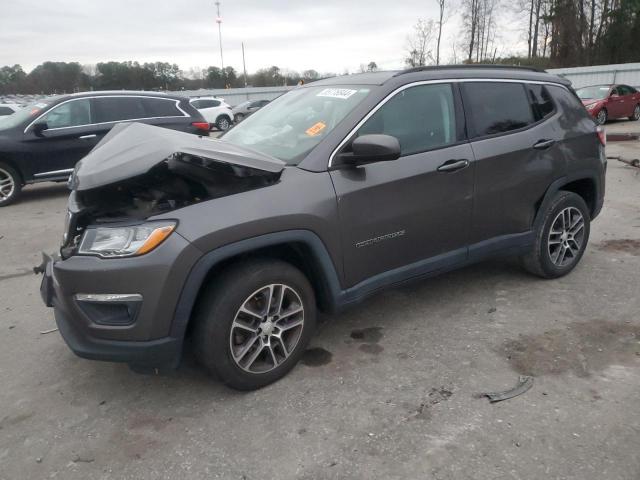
372, 148
39, 127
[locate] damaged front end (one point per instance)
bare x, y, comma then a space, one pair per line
138, 171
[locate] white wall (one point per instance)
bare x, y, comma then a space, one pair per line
626, 73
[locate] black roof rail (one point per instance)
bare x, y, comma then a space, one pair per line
469, 67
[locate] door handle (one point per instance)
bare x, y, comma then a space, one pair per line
453, 165
543, 144
86, 137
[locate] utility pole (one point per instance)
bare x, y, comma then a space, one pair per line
244, 67
219, 22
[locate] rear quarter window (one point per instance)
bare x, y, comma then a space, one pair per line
160, 107
540, 101
496, 107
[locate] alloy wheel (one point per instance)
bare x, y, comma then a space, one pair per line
602, 117
566, 237
636, 113
266, 328
7, 185
223, 124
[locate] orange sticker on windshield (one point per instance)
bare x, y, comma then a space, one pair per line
316, 129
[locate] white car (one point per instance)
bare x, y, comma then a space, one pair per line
8, 108
215, 111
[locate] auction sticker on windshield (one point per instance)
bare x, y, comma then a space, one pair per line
316, 129
342, 93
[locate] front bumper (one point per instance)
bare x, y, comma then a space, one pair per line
157, 276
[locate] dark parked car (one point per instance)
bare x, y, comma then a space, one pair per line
247, 108
332, 192
44, 141
606, 102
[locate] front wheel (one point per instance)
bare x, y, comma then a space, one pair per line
254, 322
602, 117
636, 113
10, 185
561, 238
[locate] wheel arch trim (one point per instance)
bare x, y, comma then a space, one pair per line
208, 262
566, 180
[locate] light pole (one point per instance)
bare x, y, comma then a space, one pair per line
219, 22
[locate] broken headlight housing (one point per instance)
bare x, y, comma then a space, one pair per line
124, 241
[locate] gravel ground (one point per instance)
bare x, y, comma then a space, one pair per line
387, 391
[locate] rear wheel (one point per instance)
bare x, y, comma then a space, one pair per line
239, 117
561, 238
10, 185
223, 123
254, 323
636, 113
602, 116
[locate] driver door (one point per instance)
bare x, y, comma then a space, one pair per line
411, 213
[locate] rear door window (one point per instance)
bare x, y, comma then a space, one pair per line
205, 103
540, 101
118, 109
421, 118
159, 107
496, 107
70, 114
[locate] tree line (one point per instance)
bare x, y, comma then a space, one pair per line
559, 33
67, 77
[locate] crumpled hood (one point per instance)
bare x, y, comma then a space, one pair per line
132, 149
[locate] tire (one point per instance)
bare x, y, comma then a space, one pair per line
223, 123
636, 113
231, 343
238, 117
546, 258
10, 185
602, 116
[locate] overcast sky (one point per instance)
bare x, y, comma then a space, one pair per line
328, 35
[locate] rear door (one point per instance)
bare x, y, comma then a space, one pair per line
70, 135
630, 102
616, 106
397, 213
517, 157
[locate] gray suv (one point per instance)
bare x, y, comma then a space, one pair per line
321, 199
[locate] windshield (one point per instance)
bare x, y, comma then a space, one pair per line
27, 113
292, 125
593, 93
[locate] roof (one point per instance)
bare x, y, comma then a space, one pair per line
100, 93
445, 72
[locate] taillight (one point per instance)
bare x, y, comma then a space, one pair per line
201, 126
602, 136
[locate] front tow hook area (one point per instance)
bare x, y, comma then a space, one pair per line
46, 286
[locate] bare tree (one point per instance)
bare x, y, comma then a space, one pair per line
479, 28
418, 52
441, 20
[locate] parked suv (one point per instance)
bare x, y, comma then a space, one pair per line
215, 111
44, 141
322, 198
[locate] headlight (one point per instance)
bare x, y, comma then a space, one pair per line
110, 242
591, 106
